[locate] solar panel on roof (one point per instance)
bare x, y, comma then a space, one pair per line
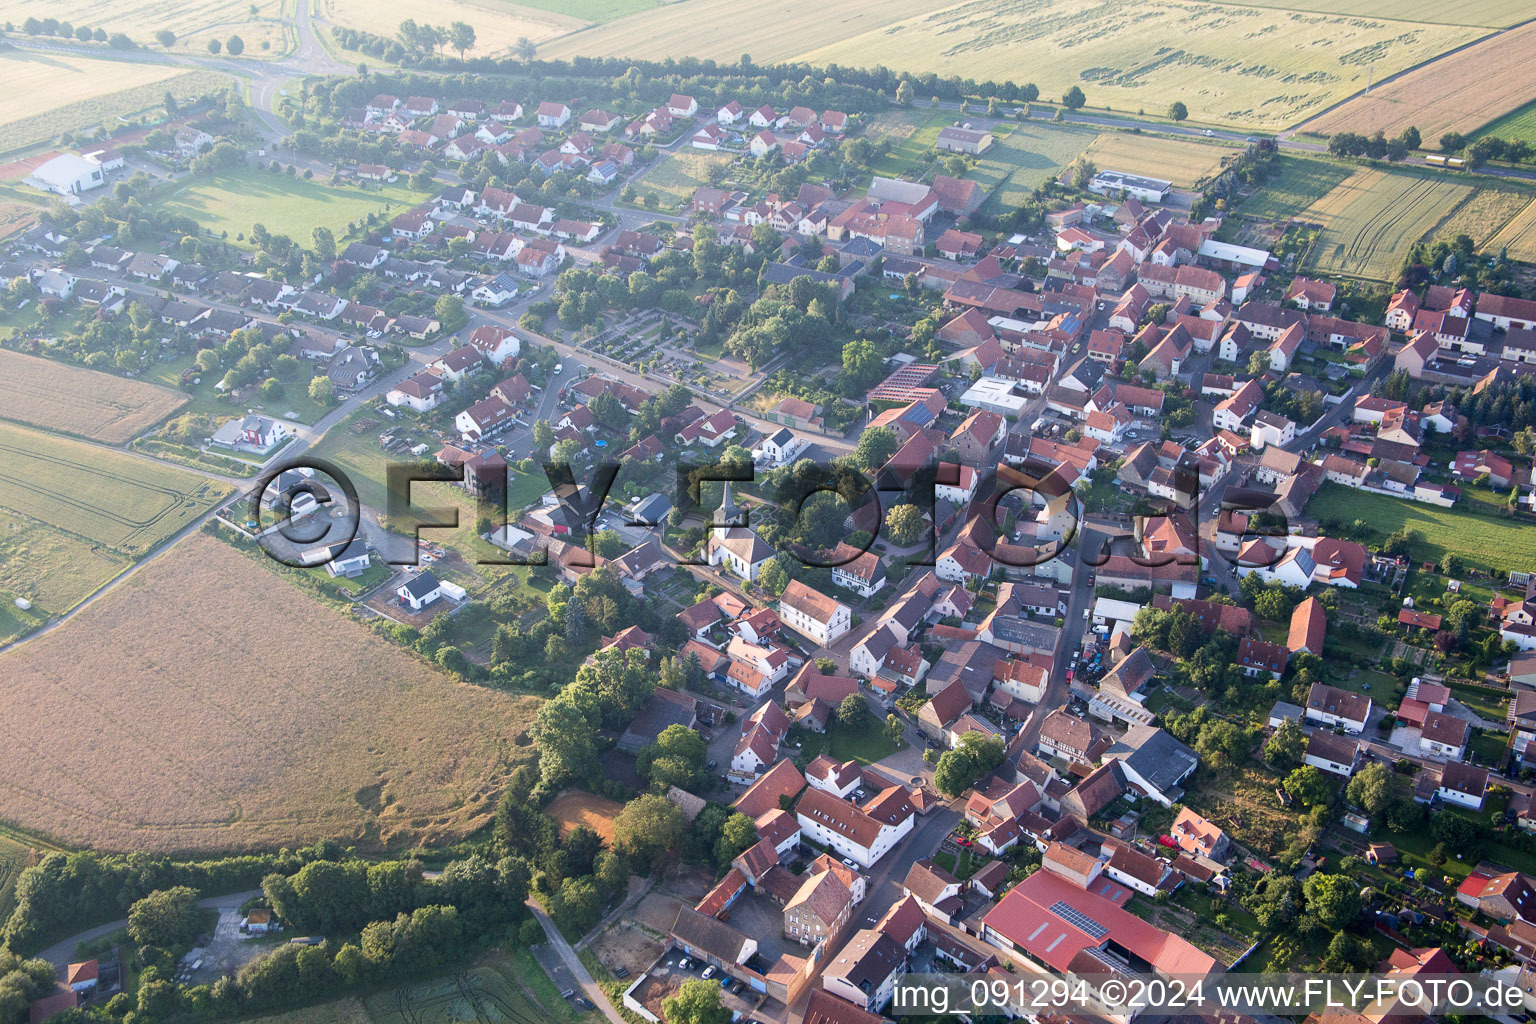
1079, 920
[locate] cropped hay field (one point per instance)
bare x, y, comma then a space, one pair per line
1024, 159
1230, 64
580, 808
1370, 220
56, 396
283, 203
1460, 92
1158, 156
208, 705
1299, 182
1518, 236
497, 25
1483, 214
194, 24
1487, 13
126, 503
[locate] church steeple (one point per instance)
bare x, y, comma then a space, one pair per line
729, 514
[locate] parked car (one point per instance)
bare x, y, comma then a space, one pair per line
709, 972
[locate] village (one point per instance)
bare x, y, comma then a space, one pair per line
1120, 655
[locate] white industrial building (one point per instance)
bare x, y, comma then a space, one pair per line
68, 175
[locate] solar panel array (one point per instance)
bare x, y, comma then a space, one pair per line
1079, 920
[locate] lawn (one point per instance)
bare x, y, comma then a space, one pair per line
1495, 544
101, 495
675, 178
1371, 219
44, 94
865, 744
51, 569
911, 135
1229, 64
1181, 161
1298, 182
233, 201
1024, 159
184, 712
74, 400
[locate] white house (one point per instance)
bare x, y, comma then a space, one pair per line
419, 590
861, 834
1271, 428
1463, 785
780, 449
68, 174
421, 393
497, 344
1336, 708
813, 614
740, 550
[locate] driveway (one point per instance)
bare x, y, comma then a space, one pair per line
574, 975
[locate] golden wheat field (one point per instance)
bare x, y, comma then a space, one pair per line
1460, 92
87, 403
1518, 236
205, 704
1372, 218
497, 25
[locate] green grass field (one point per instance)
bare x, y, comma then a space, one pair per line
49, 568
591, 10
1372, 218
232, 202
1519, 123
98, 494
675, 178
1299, 182
1023, 160
911, 135
1495, 544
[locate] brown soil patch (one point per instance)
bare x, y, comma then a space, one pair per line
208, 705
579, 808
56, 396
626, 946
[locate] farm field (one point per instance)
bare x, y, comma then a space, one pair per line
284, 204
194, 24
676, 177
1492, 543
579, 808
52, 569
1461, 92
497, 25
1255, 67
1158, 156
1482, 215
183, 711
72, 399
106, 497
44, 94
1489, 13
1300, 182
1519, 124
1372, 217
1024, 159
1518, 236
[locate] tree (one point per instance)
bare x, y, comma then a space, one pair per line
449, 311
875, 448
524, 48
170, 104
321, 392
904, 93
1308, 785
1371, 788
1178, 111
852, 711
696, 1002
1074, 98
166, 917
1286, 747
543, 436
904, 525
214, 46
955, 772
737, 835
166, 38
325, 244
461, 36
648, 828
895, 729
1333, 899
773, 577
